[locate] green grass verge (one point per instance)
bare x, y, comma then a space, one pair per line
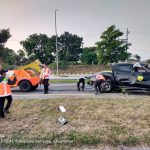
91, 123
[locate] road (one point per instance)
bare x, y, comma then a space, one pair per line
59, 90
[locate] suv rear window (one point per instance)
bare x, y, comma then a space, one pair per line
125, 68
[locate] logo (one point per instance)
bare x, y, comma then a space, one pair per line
140, 78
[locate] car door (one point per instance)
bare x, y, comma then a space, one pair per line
122, 73
143, 78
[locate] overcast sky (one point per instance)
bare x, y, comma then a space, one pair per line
85, 18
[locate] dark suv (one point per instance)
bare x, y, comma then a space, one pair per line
129, 75
132, 75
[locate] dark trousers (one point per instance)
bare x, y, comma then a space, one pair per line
45, 83
81, 84
9, 101
2, 102
98, 86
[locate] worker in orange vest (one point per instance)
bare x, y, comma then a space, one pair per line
45, 75
5, 92
99, 79
8, 98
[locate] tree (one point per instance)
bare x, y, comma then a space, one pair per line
89, 55
6, 55
111, 48
21, 54
4, 36
40, 47
9, 56
70, 47
137, 57
21, 57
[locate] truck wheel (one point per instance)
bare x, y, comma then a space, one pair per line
106, 86
34, 87
25, 86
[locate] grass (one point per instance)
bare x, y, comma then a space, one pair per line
92, 123
73, 69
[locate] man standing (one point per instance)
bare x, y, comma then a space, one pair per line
45, 75
5, 92
9, 98
99, 79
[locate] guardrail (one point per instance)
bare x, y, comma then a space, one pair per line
68, 77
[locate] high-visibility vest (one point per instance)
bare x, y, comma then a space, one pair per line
5, 88
100, 77
45, 74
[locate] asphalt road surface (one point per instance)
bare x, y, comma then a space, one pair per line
62, 90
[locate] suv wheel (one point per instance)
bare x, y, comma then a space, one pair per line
106, 86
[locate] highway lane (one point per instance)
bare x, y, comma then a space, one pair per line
69, 90
57, 90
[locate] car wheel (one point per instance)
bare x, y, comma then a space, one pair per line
106, 86
25, 86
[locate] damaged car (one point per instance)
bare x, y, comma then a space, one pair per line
123, 75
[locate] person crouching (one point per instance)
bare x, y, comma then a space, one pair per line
99, 80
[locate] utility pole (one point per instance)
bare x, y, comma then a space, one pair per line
56, 42
127, 33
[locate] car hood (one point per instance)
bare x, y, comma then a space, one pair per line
104, 73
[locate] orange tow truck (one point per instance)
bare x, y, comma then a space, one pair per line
27, 76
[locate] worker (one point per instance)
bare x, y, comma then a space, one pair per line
98, 81
45, 75
81, 84
5, 92
9, 98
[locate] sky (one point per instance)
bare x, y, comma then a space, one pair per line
85, 18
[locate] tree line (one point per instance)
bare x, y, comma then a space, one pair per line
110, 48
